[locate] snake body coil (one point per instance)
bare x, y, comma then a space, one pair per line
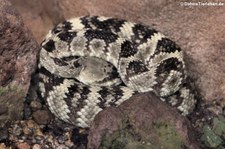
89, 63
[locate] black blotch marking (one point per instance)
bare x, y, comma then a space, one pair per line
67, 25
117, 94
145, 31
72, 89
67, 36
85, 21
168, 65
167, 45
44, 71
108, 37
60, 62
116, 24
99, 24
83, 91
106, 25
55, 80
104, 92
136, 67
127, 49
49, 46
52, 81
109, 24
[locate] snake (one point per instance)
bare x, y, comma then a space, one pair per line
89, 63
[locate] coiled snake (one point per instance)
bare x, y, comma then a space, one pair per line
89, 63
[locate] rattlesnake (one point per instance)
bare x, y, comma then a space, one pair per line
89, 63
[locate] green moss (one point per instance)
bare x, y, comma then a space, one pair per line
6, 90
163, 136
219, 125
123, 140
213, 136
168, 136
210, 138
3, 91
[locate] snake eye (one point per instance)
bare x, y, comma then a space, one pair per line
77, 64
60, 62
67, 36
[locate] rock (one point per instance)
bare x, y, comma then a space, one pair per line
36, 146
35, 105
31, 128
69, 143
17, 130
214, 135
142, 122
38, 15
3, 134
18, 51
23, 145
2, 146
31, 124
78, 138
27, 130
27, 113
41, 117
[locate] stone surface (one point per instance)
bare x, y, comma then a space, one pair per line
39, 136
35, 105
3, 134
2, 146
18, 51
41, 117
143, 122
23, 145
39, 15
36, 146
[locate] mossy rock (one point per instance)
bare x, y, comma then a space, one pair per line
213, 136
7, 90
11, 104
163, 136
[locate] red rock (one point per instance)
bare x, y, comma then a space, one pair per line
35, 105
18, 51
2, 146
23, 145
41, 117
143, 118
36, 146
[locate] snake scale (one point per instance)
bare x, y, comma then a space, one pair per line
89, 63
